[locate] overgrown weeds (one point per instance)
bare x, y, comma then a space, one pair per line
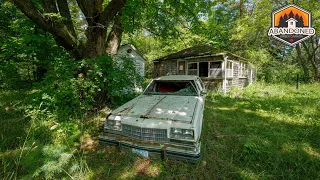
44, 130
261, 132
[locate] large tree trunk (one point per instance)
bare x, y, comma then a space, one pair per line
98, 21
96, 42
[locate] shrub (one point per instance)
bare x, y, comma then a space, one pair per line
69, 90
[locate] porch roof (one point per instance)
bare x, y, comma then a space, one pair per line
203, 50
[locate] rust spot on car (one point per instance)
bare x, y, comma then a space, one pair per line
144, 116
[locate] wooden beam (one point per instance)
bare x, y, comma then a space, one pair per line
224, 73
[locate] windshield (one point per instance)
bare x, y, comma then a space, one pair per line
182, 88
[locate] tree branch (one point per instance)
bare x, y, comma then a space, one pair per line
91, 10
49, 6
115, 35
172, 15
51, 24
311, 59
306, 48
110, 11
302, 62
65, 12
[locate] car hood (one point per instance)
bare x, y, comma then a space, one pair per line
162, 107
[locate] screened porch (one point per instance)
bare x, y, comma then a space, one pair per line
210, 69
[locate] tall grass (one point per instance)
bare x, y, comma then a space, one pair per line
261, 132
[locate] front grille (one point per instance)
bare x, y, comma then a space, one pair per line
131, 131
146, 134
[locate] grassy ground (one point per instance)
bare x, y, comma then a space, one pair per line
263, 132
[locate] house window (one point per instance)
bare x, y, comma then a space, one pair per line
215, 70
193, 69
215, 65
210, 69
243, 70
291, 23
229, 65
229, 69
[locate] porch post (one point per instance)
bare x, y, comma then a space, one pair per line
224, 72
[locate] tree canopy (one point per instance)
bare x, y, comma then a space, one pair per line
59, 78
89, 29
93, 28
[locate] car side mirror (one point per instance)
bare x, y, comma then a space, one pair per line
203, 92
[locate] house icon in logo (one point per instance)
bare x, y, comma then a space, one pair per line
292, 23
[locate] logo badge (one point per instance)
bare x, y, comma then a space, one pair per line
291, 24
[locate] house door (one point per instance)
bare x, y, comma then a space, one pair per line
156, 69
181, 68
203, 69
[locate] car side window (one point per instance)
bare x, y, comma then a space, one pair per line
196, 85
200, 84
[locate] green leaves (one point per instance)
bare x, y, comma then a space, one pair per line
57, 158
161, 18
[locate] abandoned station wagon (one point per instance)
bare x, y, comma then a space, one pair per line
166, 119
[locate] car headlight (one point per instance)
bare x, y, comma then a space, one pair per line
114, 117
178, 133
113, 122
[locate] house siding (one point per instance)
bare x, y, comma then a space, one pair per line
164, 68
243, 82
137, 59
235, 80
169, 67
212, 83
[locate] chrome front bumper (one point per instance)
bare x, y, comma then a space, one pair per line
170, 150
